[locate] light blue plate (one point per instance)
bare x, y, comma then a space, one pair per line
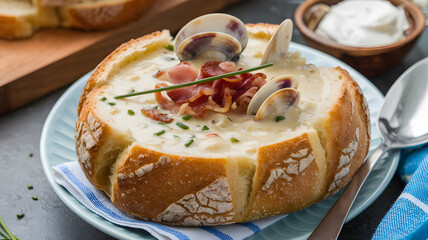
57, 146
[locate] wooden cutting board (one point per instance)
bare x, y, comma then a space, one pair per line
53, 58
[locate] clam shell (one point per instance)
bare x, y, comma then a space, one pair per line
284, 81
278, 103
209, 45
215, 22
277, 47
314, 15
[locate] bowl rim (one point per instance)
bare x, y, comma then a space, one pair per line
415, 13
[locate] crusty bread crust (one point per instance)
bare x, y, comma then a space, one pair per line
103, 15
347, 135
81, 14
14, 27
287, 178
190, 191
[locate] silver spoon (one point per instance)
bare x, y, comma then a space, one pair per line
403, 123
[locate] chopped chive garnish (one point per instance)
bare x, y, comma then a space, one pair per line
160, 132
234, 140
176, 136
182, 125
132, 91
209, 79
186, 117
35, 198
204, 128
170, 47
31, 154
279, 118
169, 58
19, 216
111, 103
189, 142
103, 98
30, 187
130, 112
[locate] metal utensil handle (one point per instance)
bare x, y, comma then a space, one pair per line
330, 226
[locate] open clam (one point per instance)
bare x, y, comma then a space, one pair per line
278, 103
278, 44
210, 45
278, 83
213, 36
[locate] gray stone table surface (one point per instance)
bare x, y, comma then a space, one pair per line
49, 218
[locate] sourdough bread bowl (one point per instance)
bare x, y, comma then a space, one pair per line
235, 169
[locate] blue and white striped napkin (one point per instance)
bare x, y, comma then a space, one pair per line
408, 217
70, 176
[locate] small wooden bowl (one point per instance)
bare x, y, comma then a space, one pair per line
370, 61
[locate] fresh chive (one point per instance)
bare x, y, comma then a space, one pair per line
35, 198
189, 142
234, 140
6, 237
111, 103
170, 47
30, 187
130, 112
182, 125
279, 118
31, 154
176, 136
169, 58
19, 216
132, 91
6, 229
160, 132
103, 98
196, 82
187, 117
205, 128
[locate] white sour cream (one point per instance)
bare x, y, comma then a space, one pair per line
364, 23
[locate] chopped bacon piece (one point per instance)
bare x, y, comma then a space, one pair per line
190, 93
218, 95
244, 99
156, 115
181, 73
165, 102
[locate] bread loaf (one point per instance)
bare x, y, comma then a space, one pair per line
270, 168
20, 18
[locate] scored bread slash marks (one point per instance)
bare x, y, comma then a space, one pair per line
202, 207
146, 168
345, 161
295, 164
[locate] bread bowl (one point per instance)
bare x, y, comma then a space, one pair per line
235, 169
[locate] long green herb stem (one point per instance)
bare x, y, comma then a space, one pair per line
209, 79
6, 229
